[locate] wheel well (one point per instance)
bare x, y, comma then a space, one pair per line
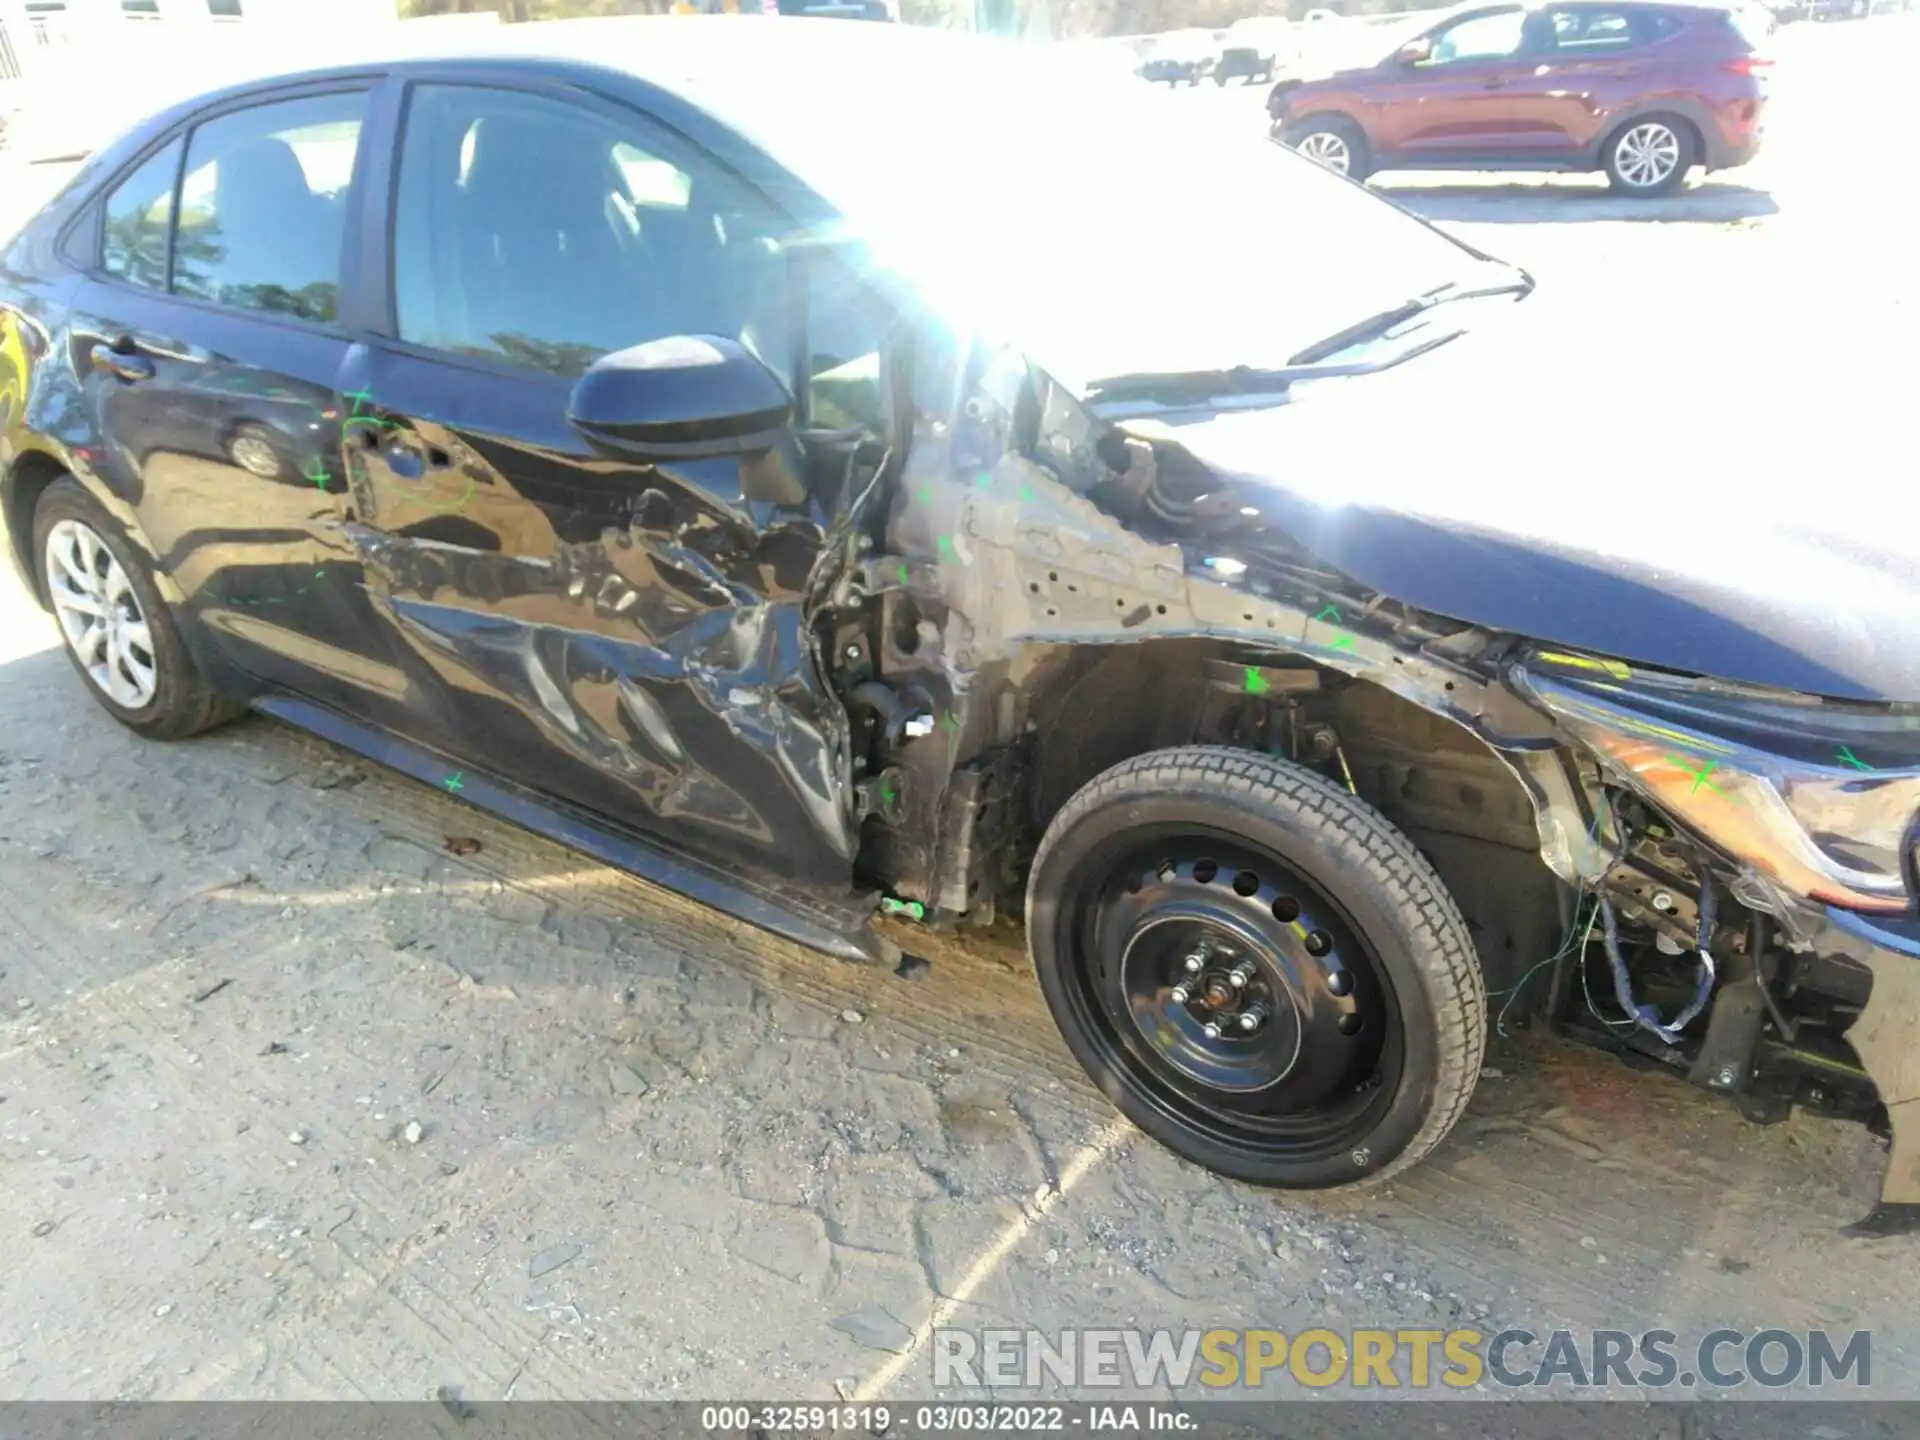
32, 473
1335, 119
1453, 796
1109, 704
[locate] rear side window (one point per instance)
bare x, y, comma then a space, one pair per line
139, 212
1591, 30
263, 206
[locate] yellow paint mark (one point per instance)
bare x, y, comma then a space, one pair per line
1587, 662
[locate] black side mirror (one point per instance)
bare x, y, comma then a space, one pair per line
687, 397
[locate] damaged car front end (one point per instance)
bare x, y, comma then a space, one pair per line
1166, 544
1675, 800
1769, 841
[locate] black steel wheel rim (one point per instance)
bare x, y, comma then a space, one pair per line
1313, 1072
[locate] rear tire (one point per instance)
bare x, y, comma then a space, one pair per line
115, 627
1650, 156
1311, 914
1335, 142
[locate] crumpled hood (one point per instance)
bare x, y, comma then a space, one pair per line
1702, 509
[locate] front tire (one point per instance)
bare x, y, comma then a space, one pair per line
1335, 142
1257, 969
1651, 156
117, 630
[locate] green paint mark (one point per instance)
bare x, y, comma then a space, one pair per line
1343, 641
319, 480
456, 782
905, 577
1847, 757
1256, 682
359, 398
1332, 612
926, 494
984, 479
946, 547
887, 793
1026, 494
913, 909
947, 722
1699, 776
461, 503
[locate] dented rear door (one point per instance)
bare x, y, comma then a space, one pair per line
629, 639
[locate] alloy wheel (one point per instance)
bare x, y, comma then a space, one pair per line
256, 457
1647, 154
1236, 995
100, 615
1329, 148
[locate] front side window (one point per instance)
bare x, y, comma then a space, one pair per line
138, 213
546, 235
1482, 37
263, 206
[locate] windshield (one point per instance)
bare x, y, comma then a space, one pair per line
1080, 217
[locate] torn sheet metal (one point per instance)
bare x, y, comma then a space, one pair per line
651, 657
1012, 563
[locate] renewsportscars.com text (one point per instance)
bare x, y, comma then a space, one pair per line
1374, 1359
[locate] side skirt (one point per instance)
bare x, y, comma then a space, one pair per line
834, 925
1560, 161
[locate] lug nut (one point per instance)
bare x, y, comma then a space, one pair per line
1213, 1030
1251, 1017
1180, 995
1241, 974
1193, 963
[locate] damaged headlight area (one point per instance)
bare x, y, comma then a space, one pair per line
1818, 797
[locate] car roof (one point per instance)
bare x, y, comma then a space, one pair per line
706, 59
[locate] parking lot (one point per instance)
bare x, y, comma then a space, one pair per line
303, 1095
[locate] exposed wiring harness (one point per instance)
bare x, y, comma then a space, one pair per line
1645, 1015
1577, 937
1576, 929
1598, 909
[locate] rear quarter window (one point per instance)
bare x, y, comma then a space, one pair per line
1654, 25
138, 213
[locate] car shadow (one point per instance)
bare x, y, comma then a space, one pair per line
1559, 200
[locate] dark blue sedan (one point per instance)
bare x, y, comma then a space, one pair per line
786, 461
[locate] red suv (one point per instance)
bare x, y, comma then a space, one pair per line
1643, 92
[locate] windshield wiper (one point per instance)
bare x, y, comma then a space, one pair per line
1377, 325
1196, 387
